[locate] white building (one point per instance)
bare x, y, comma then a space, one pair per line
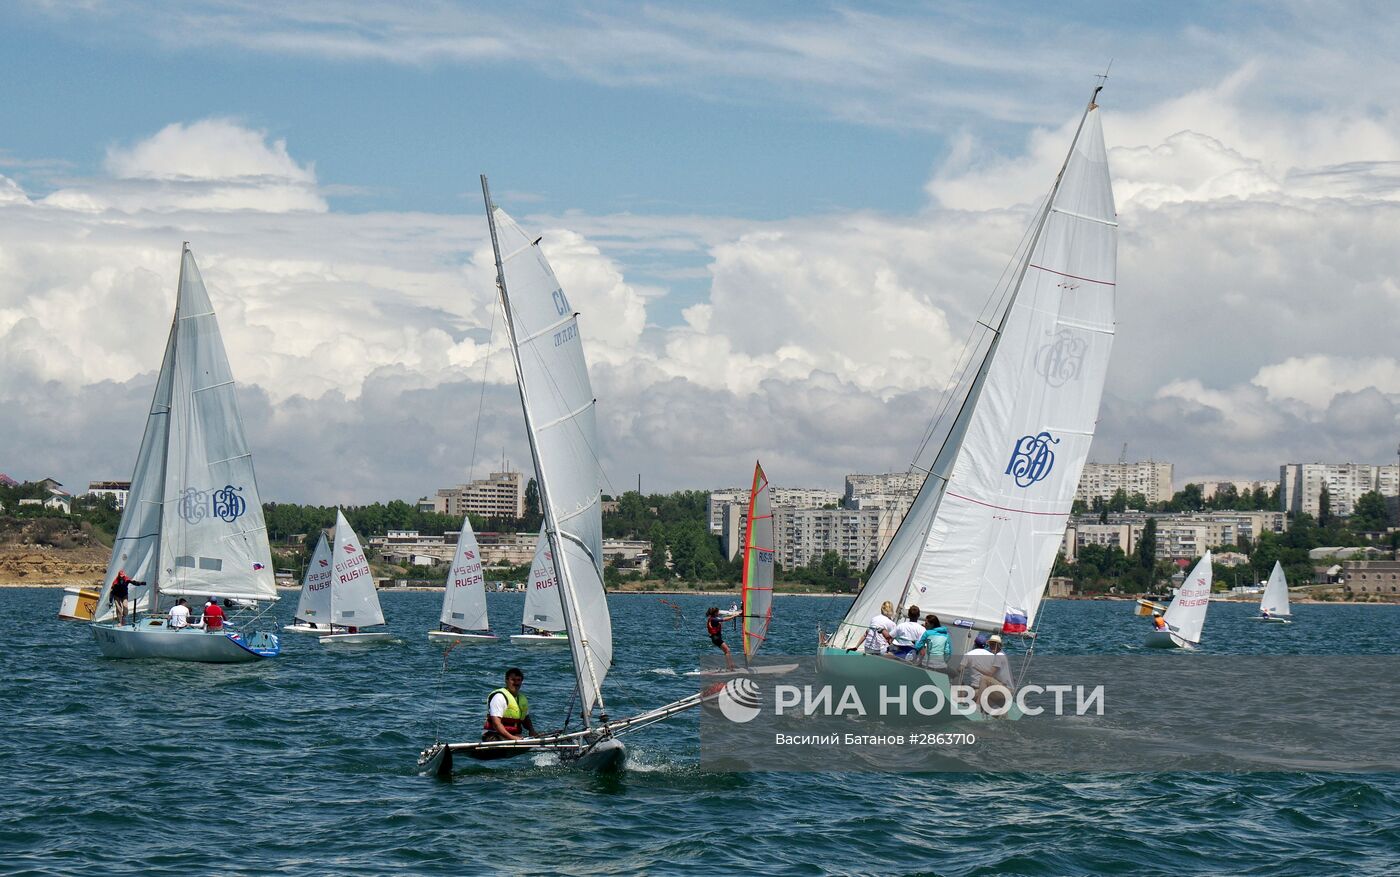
780, 497
1179, 536
885, 484
502, 495
117, 490
1300, 485
1149, 478
804, 535
1209, 489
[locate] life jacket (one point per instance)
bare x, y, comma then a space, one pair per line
517, 708
713, 626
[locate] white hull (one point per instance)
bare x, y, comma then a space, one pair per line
534, 639
1274, 619
472, 639
765, 670
152, 639
79, 604
1165, 639
356, 639
303, 629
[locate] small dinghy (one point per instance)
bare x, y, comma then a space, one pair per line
351, 603
1273, 605
542, 623
463, 618
1186, 615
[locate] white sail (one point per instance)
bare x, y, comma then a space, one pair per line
1187, 613
1275, 599
136, 547
314, 604
758, 565
354, 601
542, 607
464, 597
212, 536
979, 542
559, 411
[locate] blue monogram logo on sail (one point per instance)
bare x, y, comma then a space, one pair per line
1032, 458
1059, 361
226, 504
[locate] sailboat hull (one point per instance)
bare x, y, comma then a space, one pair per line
1165, 639
356, 639
534, 639
79, 604
152, 639
305, 629
1273, 619
870, 673
466, 639
602, 757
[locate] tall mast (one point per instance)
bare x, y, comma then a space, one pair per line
969, 402
154, 605
551, 525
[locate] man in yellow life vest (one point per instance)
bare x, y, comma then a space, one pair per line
507, 710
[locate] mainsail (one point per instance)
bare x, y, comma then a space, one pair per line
1186, 615
314, 605
193, 524
354, 601
1275, 598
464, 599
979, 542
758, 564
543, 611
557, 398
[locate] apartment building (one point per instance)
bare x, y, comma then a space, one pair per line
1179, 536
502, 495
1149, 478
1300, 485
780, 497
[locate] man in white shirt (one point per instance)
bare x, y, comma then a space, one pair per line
180, 614
881, 631
986, 667
907, 634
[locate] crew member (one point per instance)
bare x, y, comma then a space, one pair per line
1158, 622
180, 614
507, 710
120, 593
213, 615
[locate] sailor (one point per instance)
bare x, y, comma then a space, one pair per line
934, 647
1264, 613
715, 628
880, 633
1158, 622
180, 614
507, 710
213, 615
907, 635
120, 593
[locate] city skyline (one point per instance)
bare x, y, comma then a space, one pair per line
779, 228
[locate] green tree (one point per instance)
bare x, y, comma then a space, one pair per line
1147, 546
1119, 502
1370, 513
1324, 508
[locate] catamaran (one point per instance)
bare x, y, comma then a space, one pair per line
463, 618
193, 523
1186, 615
980, 539
351, 603
1273, 605
542, 621
556, 397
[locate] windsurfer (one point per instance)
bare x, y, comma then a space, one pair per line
715, 628
507, 710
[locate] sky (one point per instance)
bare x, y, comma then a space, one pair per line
779, 222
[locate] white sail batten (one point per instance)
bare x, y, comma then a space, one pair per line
1186, 615
314, 605
354, 601
136, 547
979, 542
556, 391
464, 599
543, 611
213, 539
1275, 598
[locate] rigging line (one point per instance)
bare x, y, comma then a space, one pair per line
481, 400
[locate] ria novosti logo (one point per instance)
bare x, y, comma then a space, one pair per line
739, 700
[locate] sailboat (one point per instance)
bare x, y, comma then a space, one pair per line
556, 397
979, 542
1186, 615
351, 603
313, 615
463, 618
542, 622
193, 524
1273, 605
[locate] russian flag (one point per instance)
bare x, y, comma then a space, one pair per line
1015, 621
257, 566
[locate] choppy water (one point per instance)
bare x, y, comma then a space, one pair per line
305, 764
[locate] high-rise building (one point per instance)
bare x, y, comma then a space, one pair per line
780, 497
502, 495
1300, 485
1149, 478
